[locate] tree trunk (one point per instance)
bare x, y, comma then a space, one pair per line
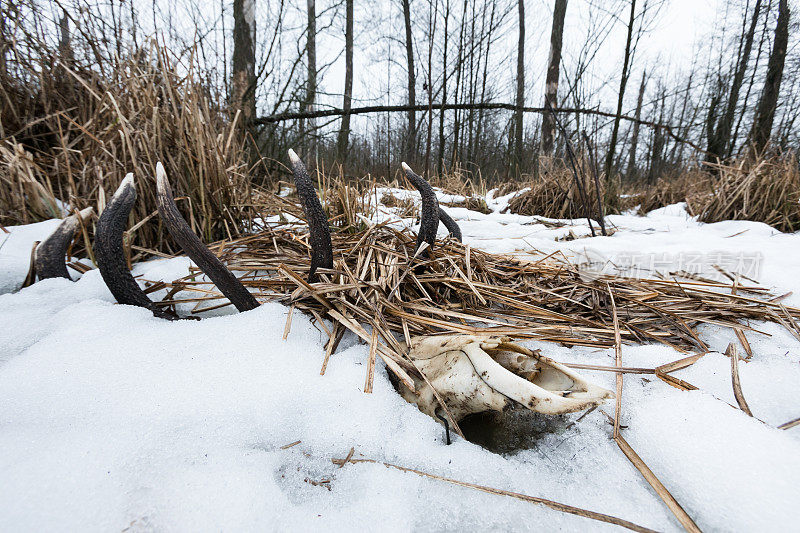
65, 42
433, 16
718, 145
635, 135
622, 82
750, 84
344, 131
471, 88
551, 83
411, 141
485, 76
440, 158
520, 90
244, 62
459, 88
311, 73
768, 103
657, 149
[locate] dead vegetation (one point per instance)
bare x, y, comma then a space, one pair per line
73, 137
767, 191
556, 193
465, 290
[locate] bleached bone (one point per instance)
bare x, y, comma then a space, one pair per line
474, 374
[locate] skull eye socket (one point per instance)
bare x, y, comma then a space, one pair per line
551, 379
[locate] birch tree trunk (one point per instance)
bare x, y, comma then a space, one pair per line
551, 83
244, 62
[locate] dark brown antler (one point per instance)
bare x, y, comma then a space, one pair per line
223, 278
429, 220
319, 232
48, 260
110, 256
450, 224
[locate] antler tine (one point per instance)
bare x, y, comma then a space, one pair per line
319, 232
48, 260
450, 224
429, 222
109, 253
223, 278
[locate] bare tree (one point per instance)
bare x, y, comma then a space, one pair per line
65, 42
344, 131
440, 158
520, 101
311, 70
622, 82
244, 60
459, 83
551, 83
635, 135
720, 140
411, 140
768, 103
433, 16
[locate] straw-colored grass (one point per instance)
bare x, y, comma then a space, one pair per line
555, 194
691, 186
377, 282
94, 129
767, 190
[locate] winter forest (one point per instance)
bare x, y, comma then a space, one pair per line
401, 265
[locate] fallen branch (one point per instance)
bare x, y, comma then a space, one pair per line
337, 112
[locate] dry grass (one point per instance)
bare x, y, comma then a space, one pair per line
473, 203
555, 193
76, 134
374, 283
458, 181
406, 207
767, 190
691, 186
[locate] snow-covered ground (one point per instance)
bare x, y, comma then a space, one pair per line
111, 419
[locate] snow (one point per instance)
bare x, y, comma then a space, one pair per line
15, 252
111, 419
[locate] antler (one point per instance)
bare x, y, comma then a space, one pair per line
429, 222
223, 278
48, 260
450, 224
111, 259
319, 232
110, 256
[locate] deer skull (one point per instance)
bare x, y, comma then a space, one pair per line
473, 374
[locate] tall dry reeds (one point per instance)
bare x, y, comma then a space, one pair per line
75, 134
767, 190
557, 194
692, 186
